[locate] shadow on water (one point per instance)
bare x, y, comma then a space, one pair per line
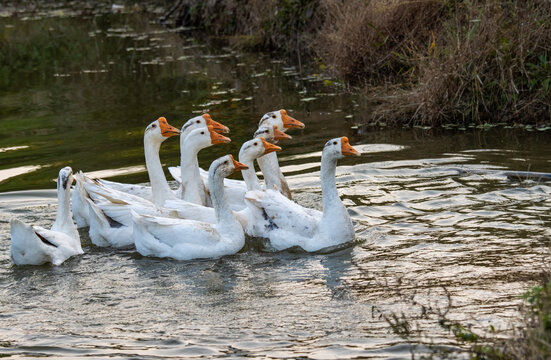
433, 209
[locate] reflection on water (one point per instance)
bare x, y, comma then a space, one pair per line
435, 214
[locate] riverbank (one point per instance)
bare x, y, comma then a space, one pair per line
428, 62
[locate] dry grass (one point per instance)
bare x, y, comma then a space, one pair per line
374, 42
479, 61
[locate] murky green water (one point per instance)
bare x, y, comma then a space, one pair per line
434, 213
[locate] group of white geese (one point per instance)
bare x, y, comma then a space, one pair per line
208, 216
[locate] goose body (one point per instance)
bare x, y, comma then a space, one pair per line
35, 245
294, 225
187, 239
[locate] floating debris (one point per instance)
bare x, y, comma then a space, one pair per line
308, 99
117, 9
62, 75
147, 48
120, 30
11, 148
290, 73
94, 71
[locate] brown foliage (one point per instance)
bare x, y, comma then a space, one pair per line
454, 60
373, 41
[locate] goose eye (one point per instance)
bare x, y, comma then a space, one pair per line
255, 144
203, 133
273, 116
154, 125
225, 162
198, 121
334, 143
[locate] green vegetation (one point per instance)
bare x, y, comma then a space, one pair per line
418, 62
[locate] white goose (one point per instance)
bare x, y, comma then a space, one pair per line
155, 134
251, 218
188, 239
269, 165
309, 229
236, 189
203, 121
109, 209
34, 245
192, 187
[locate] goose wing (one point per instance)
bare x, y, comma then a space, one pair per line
132, 189
285, 214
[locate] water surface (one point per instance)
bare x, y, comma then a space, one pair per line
436, 217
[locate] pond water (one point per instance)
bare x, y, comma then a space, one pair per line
440, 227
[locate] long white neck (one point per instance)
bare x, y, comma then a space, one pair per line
224, 214
270, 168
159, 186
329, 194
269, 165
335, 222
63, 220
249, 175
192, 186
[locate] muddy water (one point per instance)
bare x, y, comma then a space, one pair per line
441, 228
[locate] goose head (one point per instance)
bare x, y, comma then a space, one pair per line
204, 137
225, 166
65, 179
271, 133
255, 148
338, 148
203, 121
159, 130
281, 120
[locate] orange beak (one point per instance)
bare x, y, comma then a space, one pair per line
268, 148
216, 125
289, 122
280, 135
216, 138
167, 130
347, 149
237, 165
